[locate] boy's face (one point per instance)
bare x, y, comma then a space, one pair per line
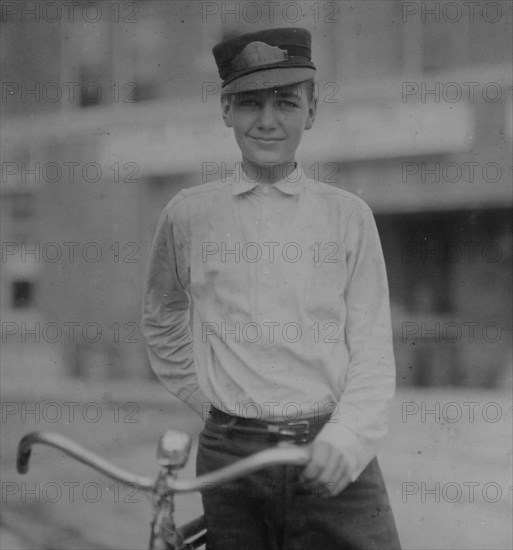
268, 124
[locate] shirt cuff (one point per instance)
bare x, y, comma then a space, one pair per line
196, 400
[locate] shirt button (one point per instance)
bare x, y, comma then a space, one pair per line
266, 189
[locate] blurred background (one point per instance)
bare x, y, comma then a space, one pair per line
110, 108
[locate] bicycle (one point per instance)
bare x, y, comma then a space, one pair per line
172, 454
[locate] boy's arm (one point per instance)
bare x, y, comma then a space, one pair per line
351, 439
166, 314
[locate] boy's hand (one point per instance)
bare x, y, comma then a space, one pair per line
327, 470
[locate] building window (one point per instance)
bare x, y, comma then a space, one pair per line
22, 294
22, 205
94, 86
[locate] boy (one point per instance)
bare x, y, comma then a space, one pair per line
292, 338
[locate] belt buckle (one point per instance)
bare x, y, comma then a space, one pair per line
301, 437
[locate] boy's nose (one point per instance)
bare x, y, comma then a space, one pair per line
267, 118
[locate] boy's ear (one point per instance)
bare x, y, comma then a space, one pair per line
226, 111
312, 112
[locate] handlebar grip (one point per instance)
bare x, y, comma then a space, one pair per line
24, 452
81, 454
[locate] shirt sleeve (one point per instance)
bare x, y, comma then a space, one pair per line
166, 314
361, 417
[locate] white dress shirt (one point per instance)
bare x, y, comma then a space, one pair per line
290, 313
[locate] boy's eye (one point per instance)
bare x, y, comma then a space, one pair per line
287, 103
248, 102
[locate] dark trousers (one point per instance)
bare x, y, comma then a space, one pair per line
270, 510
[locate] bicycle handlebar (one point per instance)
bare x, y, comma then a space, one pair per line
79, 453
284, 453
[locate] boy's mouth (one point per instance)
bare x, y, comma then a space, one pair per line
266, 140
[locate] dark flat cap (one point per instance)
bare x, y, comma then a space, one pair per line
265, 59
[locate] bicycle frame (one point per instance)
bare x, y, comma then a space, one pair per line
172, 454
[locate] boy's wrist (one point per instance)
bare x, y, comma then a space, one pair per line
348, 445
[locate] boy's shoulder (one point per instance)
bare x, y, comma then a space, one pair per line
339, 196
196, 193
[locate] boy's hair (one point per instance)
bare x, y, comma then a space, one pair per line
310, 91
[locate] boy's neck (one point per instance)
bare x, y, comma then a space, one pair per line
270, 173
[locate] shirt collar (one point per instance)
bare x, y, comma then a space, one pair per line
292, 184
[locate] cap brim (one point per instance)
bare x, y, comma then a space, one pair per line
269, 78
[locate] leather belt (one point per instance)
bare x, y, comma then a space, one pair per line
297, 431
